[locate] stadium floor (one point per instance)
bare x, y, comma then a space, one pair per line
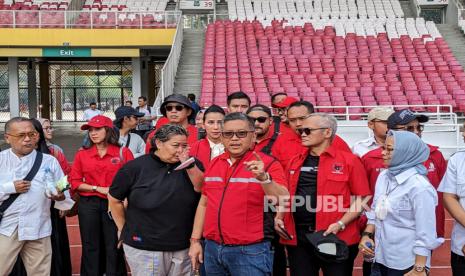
441, 256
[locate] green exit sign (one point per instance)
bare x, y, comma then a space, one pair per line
66, 52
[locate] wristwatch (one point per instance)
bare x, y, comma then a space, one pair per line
419, 268
343, 226
94, 188
268, 179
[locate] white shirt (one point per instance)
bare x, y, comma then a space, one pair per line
152, 113
136, 144
90, 113
453, 182
216, 149
30, 212
361, 148
409, 228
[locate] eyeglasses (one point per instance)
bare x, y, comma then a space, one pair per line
260, 119
177, 107
22, 136
47, 129
239, 134
308, 130
419, 128
293, 120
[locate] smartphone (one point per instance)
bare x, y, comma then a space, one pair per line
286, 234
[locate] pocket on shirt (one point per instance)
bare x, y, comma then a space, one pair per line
404, 209
337, 184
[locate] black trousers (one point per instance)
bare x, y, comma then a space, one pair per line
279, 261
458, 264
304, 262
99, 238
382, 270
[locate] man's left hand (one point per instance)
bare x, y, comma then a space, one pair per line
332, 228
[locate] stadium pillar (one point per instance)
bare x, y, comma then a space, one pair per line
140, 79
13, 85
44, 89
32, 89
136, 79
151, 82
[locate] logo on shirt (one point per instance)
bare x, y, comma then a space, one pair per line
136, 238
431, 167
338, 168
115, 160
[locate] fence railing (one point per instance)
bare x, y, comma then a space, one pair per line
88, 19
168, 73
201, 21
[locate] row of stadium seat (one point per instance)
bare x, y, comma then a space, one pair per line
103, 20
326, 69
313, 9
125, 5
34, 5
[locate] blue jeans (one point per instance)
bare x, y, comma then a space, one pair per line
241, 260
380, 270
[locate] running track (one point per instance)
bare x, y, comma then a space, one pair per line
441, 256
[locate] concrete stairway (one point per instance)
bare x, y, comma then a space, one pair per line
455, 39
189, 74
407, 8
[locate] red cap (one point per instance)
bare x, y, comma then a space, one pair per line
98, 121
285, 103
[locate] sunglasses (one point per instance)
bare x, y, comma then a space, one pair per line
22, 136
419, 128
47, 129
260, 119
177, 107
239, 134
308, 130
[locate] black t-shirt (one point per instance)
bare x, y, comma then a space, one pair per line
161, 204
306, 188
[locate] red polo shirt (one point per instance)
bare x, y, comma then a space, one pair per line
340, 175
235, 201
202, 151
436, 166
191, 139
90, 168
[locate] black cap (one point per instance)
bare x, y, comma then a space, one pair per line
403, 117
328, 248
175, 98
124, 111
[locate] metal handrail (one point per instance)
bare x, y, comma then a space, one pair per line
71, 19
168, 72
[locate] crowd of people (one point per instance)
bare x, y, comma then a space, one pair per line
250, 190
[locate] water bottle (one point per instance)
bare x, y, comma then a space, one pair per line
368, 259
50, 189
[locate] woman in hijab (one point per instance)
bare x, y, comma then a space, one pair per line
61, 257
401, 228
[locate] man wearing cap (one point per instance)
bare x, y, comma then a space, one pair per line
436, 164
177, 109
289, 143
377, 122
280, 107
327, 186
126, 120
231, 213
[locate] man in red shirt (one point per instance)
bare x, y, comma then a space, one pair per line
327, 188
177, 109
288, 144
266, 137
231, 212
